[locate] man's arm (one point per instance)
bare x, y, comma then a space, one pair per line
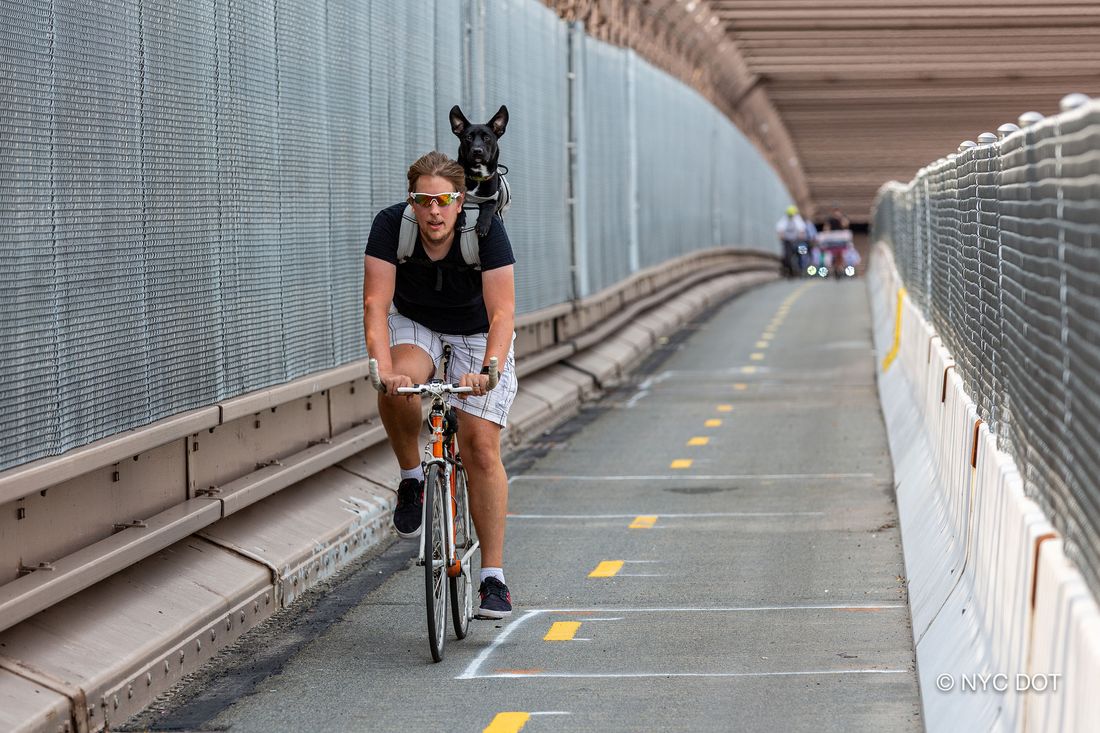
378, 283
498, 287
499, 290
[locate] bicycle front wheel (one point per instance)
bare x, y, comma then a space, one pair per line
462, 590
435, 559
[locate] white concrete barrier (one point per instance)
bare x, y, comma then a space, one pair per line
1007, 634
1066, 643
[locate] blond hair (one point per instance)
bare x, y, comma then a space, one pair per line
436, 163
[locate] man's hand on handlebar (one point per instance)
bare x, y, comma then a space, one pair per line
393, 381
478, 382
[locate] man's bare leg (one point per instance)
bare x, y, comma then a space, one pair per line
479, 445
401, 414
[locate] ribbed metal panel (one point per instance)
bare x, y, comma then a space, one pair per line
303, 186
448, 64
347, 108
182, 237
99, 197
610, 202
248, 167
28, 265
1013, 271
526, 67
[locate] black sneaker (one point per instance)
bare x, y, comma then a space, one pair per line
496, 601
410, 508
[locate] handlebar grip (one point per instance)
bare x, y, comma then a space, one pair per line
375, 380
494, 374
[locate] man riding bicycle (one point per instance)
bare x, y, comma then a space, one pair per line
792, 232
439, 298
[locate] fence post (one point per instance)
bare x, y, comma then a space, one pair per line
633, 245
578, 209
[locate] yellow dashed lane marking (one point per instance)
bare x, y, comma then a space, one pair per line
713, 423
644, 521
725, 408
681, 463
699, 440
761, 344
740, 386
606, 569
508, 723
748, 370
767, 336
756, 356
562, 631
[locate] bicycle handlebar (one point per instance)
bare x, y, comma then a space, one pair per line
376, 382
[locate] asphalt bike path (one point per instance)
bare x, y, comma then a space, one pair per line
713, 546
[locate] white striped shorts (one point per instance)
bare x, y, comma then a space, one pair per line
467, 356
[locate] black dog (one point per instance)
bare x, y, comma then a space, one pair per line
477, 154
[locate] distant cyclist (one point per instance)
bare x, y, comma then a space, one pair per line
440, 298
792, 233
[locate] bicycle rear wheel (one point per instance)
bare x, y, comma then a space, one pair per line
461, 586
435, 559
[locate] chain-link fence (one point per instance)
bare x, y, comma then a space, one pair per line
186, 188
1000, 247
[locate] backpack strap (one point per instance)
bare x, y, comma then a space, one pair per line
406, 237
467, 238
468, 241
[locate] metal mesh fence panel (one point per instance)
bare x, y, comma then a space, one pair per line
304, 187
99, 235
186, 187
610, 186
526, 67
182, 249
1014, 235
347, 107
248, 174
28, 267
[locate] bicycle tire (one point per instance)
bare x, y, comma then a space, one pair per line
435, 569
461, 587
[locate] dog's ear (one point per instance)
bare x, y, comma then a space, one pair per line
499, 121
459, 123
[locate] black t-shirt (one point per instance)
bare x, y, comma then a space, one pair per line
446, 295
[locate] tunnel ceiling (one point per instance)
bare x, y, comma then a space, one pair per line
872, 90
844, 95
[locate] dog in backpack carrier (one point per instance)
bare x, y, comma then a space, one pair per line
478, 154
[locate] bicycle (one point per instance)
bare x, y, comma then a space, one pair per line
447, 523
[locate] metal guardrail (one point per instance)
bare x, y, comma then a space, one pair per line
999, 245
245, 449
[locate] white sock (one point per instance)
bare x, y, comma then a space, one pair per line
497, 573
416, 473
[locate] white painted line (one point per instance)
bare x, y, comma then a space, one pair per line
666, 516
733, 609
801, 673
686, 477
636, 398
615, 618
471, 670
